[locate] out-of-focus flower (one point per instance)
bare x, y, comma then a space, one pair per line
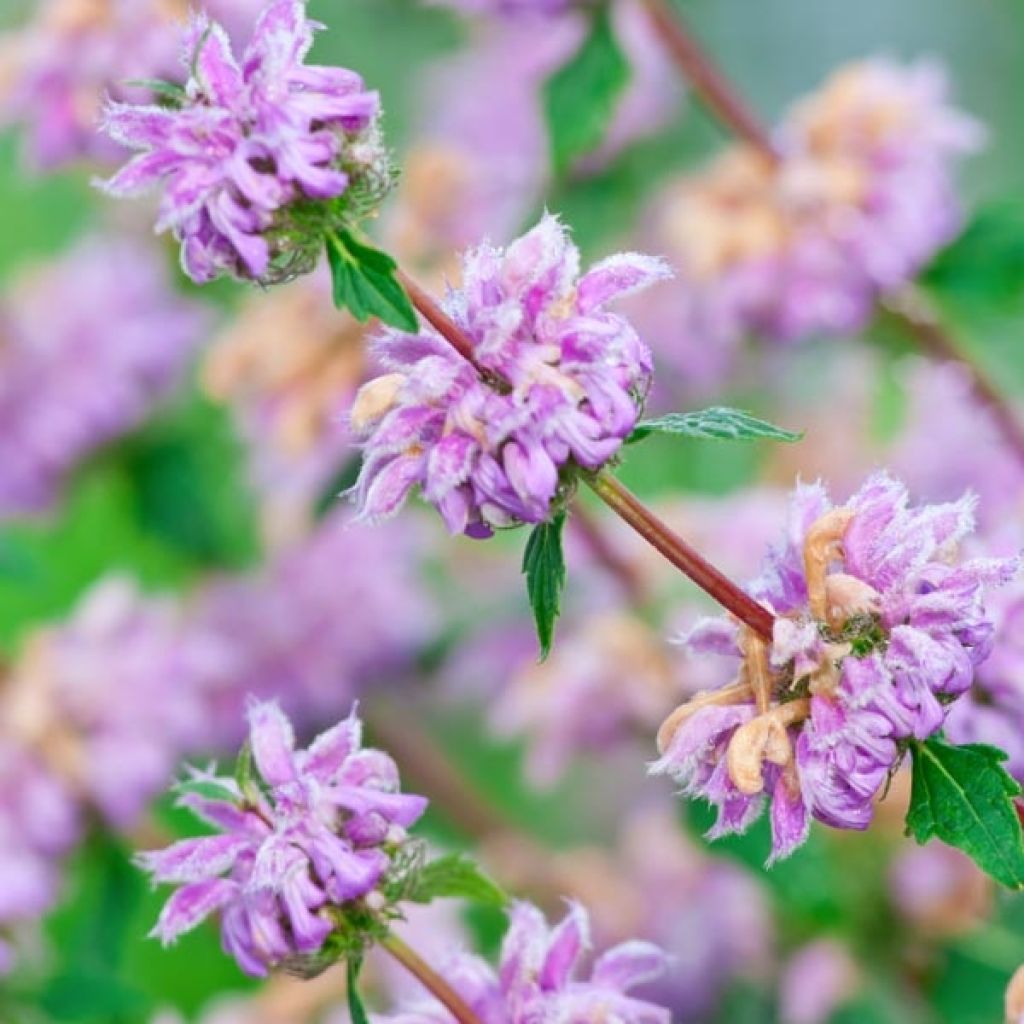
564, 385
816, 982
514, 8
327, 616
879, 628
320, 835
716, 928
939, 890
474, 176
289, 365
88, 345
57, 70
861, 198
993, 712
111, 698
537, 977
260, 156
606, 682
39, 821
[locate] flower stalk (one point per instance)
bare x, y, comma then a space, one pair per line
632, 511
703, 75
430, 979
913, 311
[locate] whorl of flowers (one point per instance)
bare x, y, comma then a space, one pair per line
879, 629
309, 839
862, 196
558, 384
537, 977
80, 370
260, 155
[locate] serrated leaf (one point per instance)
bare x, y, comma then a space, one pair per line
365, 284
544, 566
580, 98
208, 788
356, 1009
963, 796
718, 423
456, 876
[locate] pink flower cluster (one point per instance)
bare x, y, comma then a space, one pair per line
536, 978
558, 383
91, 343
861, 197
249, 144
317, 832
879, 630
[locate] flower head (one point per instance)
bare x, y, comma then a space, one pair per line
879, 629
861, 198
257, 149
317, 833
537, 977
78, 373
557, 383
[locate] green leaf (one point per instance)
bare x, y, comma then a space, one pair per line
963, 796
456, 876
580, 98
365, 283
718, 423
984, 267
544, 566
211, 789
356, 1009
159, 87
245, 774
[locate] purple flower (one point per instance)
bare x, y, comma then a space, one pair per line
563, 387
39, 822
319, 834
302, 630
880, 628
576, 700
79, 372
818, 979
252, 141
73, 53
861, 199
537, 977
115, 690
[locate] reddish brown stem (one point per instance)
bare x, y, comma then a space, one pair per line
430, 979
713, 88
631, 510
437, 318
619, 567
912, 309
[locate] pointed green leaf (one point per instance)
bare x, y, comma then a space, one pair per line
544, 566
210, 789
365, 283
245, 775
160, 88
581, 97
963, 796
356, 1009
718, 423
456, 876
